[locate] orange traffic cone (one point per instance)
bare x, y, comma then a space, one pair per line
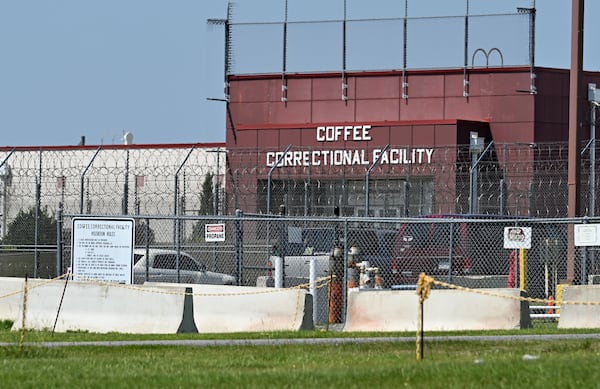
550, 304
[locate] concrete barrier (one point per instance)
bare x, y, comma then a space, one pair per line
250, 309
11, 297
102, 308
155, 307
444, 310
579, 315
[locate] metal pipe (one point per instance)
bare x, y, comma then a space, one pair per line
176, 227
125, 202
368, 176
6, 179
38, 206
287, 149
404, 46
7, 157
83, 179
592, 210
575, 128
475, 159
466, 54
239, 246
59, 240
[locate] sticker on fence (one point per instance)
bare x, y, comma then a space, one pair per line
517, 237
214, 232
103, 249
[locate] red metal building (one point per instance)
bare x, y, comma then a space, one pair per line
395, 130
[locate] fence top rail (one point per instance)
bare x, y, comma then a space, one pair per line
380, 19
354, 219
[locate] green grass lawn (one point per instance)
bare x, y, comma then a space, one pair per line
446, 364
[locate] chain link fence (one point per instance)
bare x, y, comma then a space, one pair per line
508, 179
113, 180
340, 253
517, 186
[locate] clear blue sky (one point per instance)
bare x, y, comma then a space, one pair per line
99, 68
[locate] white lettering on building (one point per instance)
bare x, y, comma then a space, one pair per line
345, 133
348, 157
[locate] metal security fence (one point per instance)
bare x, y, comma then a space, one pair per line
506, 179
155, 183
379, 43
398, 38
339, 253
112, 180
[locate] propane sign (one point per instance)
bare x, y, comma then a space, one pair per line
214, 232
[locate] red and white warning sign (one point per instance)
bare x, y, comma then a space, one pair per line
214, 232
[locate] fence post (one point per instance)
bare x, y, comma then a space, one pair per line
270, 175
368, 176
6, 178
82, 181
147, 247
36, 253
282, 241
502, 199
239, 248
59, 240
125, 200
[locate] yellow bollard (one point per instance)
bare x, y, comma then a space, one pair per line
523, 269
559, 292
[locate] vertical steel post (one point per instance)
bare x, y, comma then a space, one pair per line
147, 247
344, 78
125, 202
473, 184
38, 206
239, 248
269, 178
284, 57
575, 128
404, 55
368, 176
6, 178
82, 190
475, 160
466, 54
592, 211
177, 221
594, 99
59, 240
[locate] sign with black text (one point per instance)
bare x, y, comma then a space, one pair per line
517, 237
587, 235
102, 249
214, 232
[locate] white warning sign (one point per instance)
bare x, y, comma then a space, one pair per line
517, 237
102, 249
214, 232
587, 235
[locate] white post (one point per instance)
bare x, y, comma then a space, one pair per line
278, 272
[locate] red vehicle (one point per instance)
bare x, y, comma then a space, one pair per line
454, 245
438, 249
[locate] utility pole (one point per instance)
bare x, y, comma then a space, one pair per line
576, 101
